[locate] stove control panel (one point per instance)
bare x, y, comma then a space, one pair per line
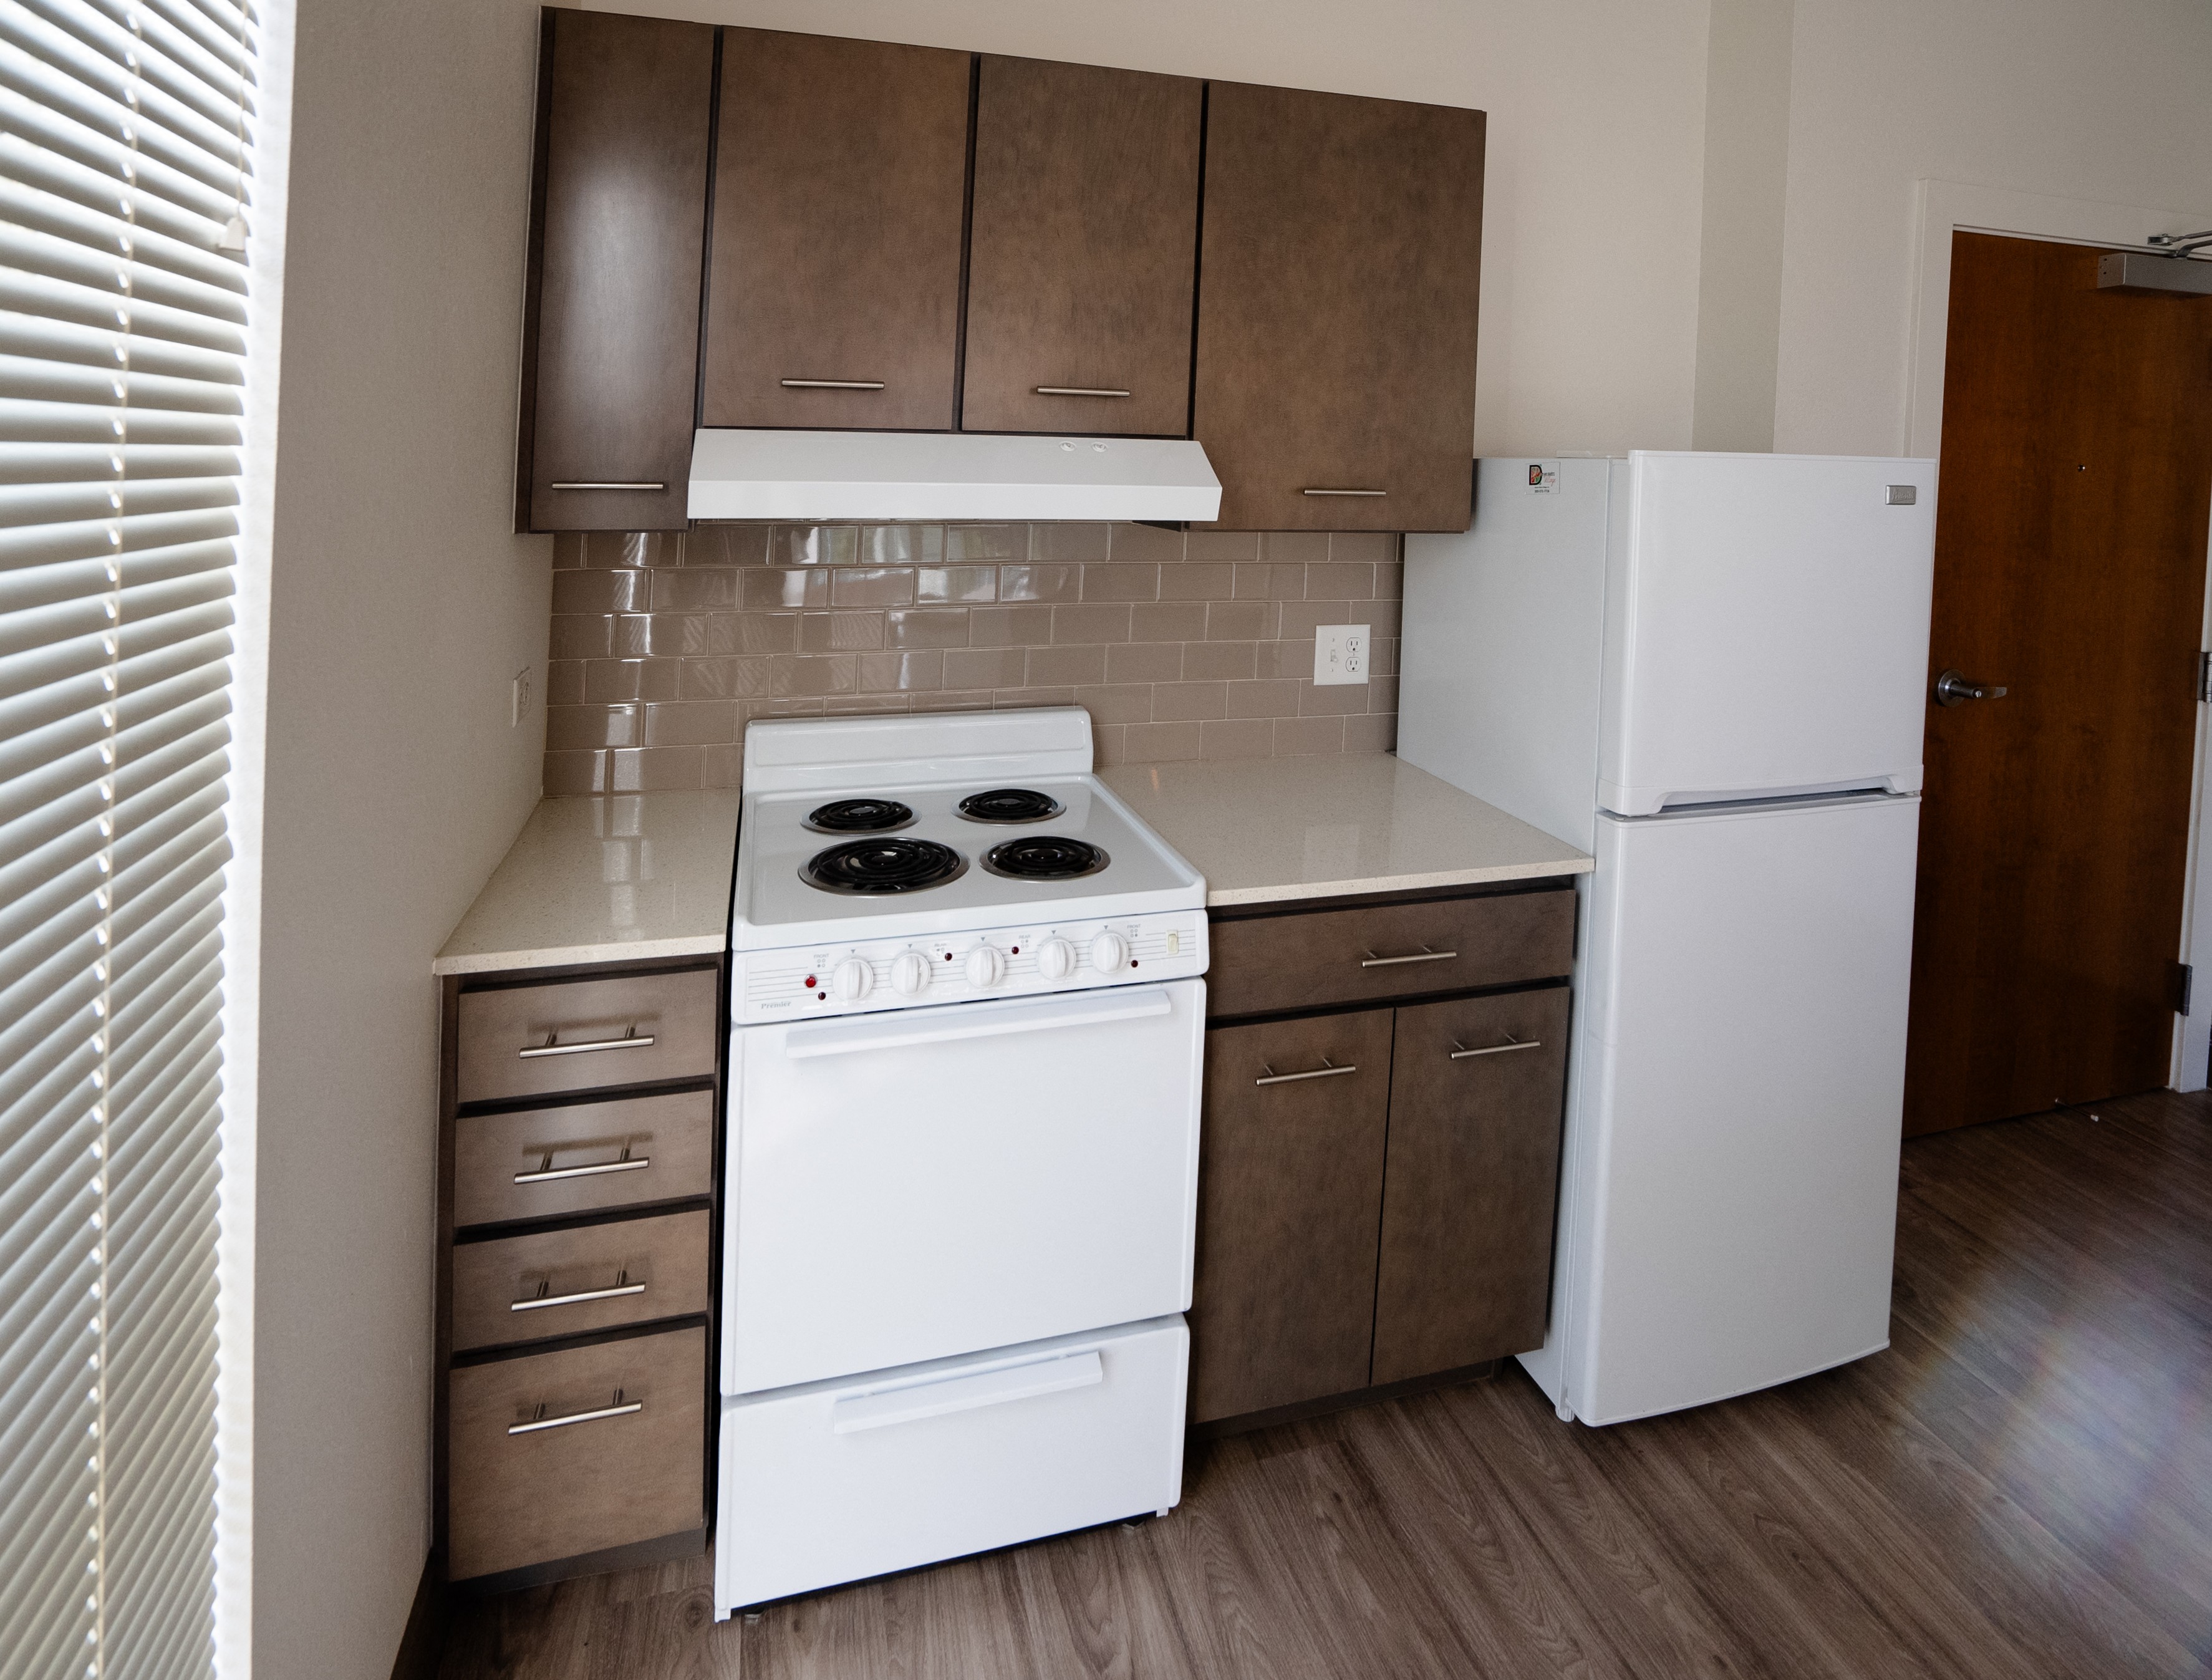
1003, 962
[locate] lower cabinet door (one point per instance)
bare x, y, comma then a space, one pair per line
1290, 1187
1478, 1088
554, 1455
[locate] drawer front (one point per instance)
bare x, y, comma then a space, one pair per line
1361, 955
564, 1489
592, 1277
577, 1035
838, 1480
589, 1156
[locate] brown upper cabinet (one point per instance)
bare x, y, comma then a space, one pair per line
841, 173
611, 352
1083, 254
1336, 316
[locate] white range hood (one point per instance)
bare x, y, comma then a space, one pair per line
817, 476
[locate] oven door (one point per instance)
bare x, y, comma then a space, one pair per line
922, 1183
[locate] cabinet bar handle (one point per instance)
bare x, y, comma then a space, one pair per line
831, 385
1460, 1052
531, 1303
1424, 954
1344, 492
553, 1047
1325, 1071
608, 484
617, 1410
548, 1172
1077, 390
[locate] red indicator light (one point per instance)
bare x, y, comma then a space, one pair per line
810, 982
1017, 950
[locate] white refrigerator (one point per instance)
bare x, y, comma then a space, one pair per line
1708, 670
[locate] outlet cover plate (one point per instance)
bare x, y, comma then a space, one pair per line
1339, 654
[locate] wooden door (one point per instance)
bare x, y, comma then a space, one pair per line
1083, 252
2069, 569
1472, 1181
1290, 1192
612, 339
1339, 262
841, 179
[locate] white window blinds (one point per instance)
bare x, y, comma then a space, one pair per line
124, 131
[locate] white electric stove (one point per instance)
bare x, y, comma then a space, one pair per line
967, 1020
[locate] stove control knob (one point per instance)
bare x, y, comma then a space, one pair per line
910, 973
852, 980
987, 966
1109, 953
1055, 959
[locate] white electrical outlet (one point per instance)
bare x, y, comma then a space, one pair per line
1339, 653
519, 698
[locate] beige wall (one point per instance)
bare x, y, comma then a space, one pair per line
399, 609
1590, 271
2104, 102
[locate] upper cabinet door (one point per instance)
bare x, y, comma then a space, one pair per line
611, 367
1340, 265
839, 187
1083, 255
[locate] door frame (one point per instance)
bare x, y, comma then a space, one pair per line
1944, 208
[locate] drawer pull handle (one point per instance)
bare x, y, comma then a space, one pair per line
1077, 390
1424, 954
1460, 1052
623, 1286
547, 1172
1344, 492
967, 1392
607, 484
632, 1039
1326, 1070
831, 385
538, 1420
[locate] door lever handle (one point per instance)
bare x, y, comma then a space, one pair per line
1952, 688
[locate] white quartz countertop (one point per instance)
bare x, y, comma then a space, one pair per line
1262, 829
605, 878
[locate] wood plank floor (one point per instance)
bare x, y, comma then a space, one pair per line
2021, 1485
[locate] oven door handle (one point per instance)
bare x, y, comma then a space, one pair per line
966, 1391
897, 1031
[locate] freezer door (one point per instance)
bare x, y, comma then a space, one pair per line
1766, 628
1732, 1160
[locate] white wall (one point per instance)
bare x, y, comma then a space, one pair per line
400, 606
2104, 102
1589, 271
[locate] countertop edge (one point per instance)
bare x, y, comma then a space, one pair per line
560, 956
1289, 891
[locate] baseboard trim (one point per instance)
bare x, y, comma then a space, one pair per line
423, 1646
1216, 1428
688, 1543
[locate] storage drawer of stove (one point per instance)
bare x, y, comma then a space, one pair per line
1311, 959
838, 1480
577, 1035
535, 1163
609, 1450
588, 1277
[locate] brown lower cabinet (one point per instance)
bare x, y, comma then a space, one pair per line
1377, 1184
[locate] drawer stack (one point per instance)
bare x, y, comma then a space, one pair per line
577, 1276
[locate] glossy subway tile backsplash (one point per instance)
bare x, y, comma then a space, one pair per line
1182, 645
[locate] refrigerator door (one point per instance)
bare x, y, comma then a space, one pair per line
1766, 628
1732, 1160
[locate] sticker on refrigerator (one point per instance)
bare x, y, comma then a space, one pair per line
1543, 478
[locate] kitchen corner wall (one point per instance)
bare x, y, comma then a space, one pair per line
1182, 645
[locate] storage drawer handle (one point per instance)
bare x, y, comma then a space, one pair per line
623, 1286
609, 484
966, 1391
1077, 390
538, 1420
1424, 954
831, 385
632, 1039
1344, 492
547, 1172
1460, 1052
1328, 1070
